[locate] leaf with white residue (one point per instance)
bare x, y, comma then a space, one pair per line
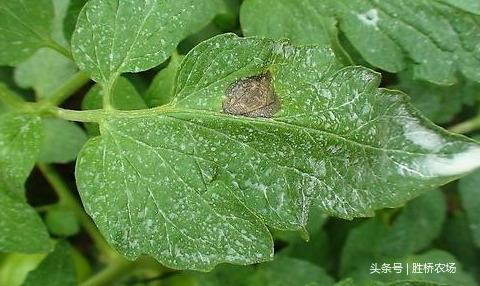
21, 228
24, 28
113, 37
20, 141
194, 186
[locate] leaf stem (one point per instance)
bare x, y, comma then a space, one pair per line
66, 198
107, 90
111, 273
80, 115
118, 269
52, 44
466, 126
9, 98
70, 87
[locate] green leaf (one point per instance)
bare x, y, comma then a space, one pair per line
113, 37
470, 196
194, 186
62, 141
15, 267
282, 271
391, 35
60, 10
458, 240
62, 222
361, 249
71, 17
315, 250
32, 72
306, 23
25, 27
124, 97
21, 229
56, 269
439, 103
162, 89
45, 72
471, 6
285, 271
20, 141
414, 229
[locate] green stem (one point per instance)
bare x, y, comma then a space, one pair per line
118, 269
52, 44
467, 126
107, 91
66, 198
9, 98
111, 273
45, 208
80, 116
70, 87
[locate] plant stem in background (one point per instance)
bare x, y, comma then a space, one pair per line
9, 98
70, 87
113, 272
66, 198
118, 269
466, 126
52, 44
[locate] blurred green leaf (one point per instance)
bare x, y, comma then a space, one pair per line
419, 223
15, 267
61, 142
62, 222
469, 188
458, 240
306, 23
162, 89
71, 17
25, 29
21, 228
57, 269
391, 35
283, 271
439, 103
458, 277
45, 72
362, 248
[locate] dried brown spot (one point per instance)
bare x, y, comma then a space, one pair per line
252, 97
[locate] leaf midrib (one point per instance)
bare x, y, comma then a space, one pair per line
169, 111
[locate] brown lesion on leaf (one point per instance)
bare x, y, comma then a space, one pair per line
252, 97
